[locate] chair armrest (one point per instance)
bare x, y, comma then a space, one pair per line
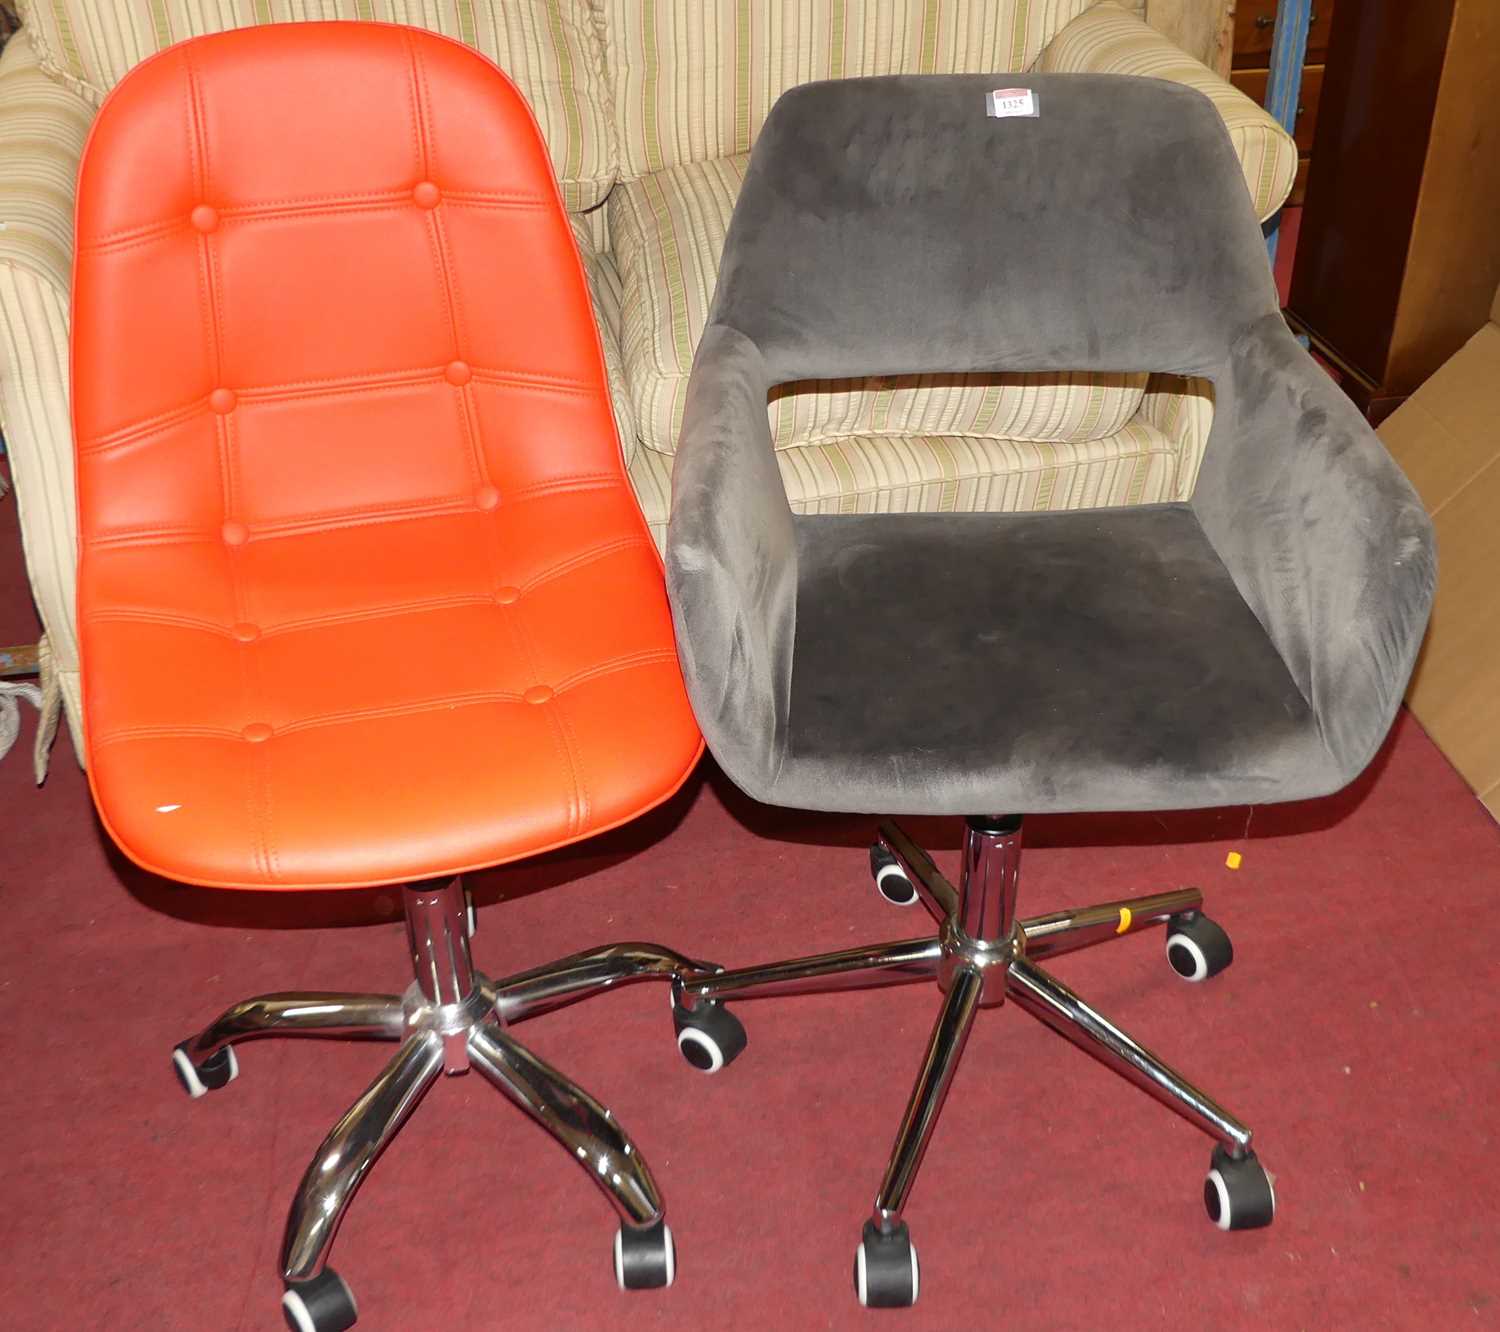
732, 559
1108, 40
607, 293
1324, 536
42, 129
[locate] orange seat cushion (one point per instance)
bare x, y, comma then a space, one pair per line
364, 593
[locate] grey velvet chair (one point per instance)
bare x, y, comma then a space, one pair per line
1248, 645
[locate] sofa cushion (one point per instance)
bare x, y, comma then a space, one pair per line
1140, 464
695, 80
667, 230
550, 48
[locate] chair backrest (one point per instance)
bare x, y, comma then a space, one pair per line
891, 225
695, 79
300, 310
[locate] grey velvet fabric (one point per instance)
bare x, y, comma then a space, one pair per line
1248, 647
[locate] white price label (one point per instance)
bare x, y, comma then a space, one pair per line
1005, 102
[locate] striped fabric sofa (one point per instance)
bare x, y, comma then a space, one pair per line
649, 108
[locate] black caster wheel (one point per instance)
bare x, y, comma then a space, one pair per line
709, 1036
199, 1079
324, 1304
1238, 1193
645, 1256
886, 1275
1196, 947
890, 878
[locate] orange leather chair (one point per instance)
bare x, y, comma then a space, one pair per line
364, 592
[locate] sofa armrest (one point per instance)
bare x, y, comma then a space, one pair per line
606, 290
1108, 40
42, 129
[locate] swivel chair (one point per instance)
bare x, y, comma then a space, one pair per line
365, 596
1248, 643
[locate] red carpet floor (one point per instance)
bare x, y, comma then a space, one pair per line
1356, 1032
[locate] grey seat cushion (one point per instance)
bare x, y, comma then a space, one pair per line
1252, 645
984, 661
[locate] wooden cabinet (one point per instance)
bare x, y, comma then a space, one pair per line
1254, 24
1398, 255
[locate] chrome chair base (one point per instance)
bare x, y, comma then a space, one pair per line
981, 956
451, 1019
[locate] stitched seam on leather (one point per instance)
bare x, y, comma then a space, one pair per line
311, 203
259, 797
578, 561
421, 116
372, 613
163, 618
557, 710
477, 698
567, 486
286, 627
156, 425
420, 108
162, 536
126, 733
333, 386
149, 536
534, 382
510, 620
624, 662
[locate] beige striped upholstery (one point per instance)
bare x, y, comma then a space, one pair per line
605, 290
1183, 411
1108, 40
1147, 461
694, 79
551, 48
42, 128
667, 231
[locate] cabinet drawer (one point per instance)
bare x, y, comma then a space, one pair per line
1252, 82
1254, 22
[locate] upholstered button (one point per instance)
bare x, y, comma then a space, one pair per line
458, 372
256, 732
204, 218
222, 400
506, 595
537, 694
245, 633
427, 194
486, 497
235, 534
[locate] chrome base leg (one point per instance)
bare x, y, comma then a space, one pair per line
1061, 932
1047, 998
587, 973
586, 1130
944, 1049
357, 1016
350, 1150
938, 895
449, 1020
982, 956
847, 969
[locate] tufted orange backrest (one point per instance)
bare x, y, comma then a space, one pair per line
306, 293
364, 593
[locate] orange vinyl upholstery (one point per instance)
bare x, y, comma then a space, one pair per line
364, 593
